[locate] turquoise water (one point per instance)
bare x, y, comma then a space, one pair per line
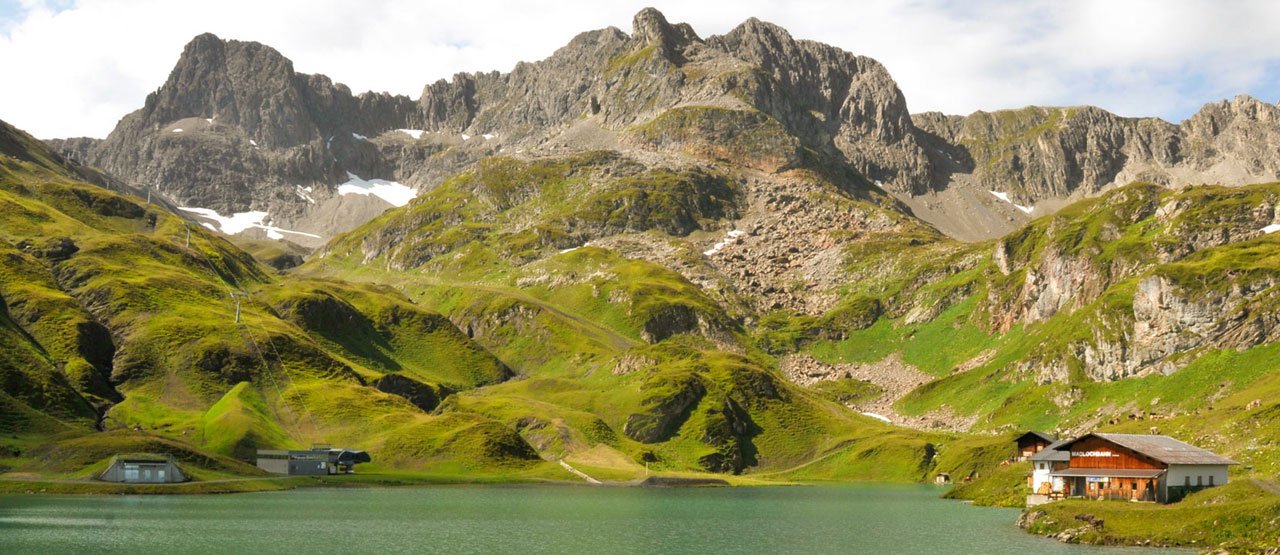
524, 519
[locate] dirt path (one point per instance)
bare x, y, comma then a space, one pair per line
580, 473
1270, 486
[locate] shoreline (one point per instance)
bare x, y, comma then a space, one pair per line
54, 486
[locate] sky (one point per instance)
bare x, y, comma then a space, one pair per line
75, 67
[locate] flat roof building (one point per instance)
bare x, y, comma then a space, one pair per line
143, 469
317, 461
1131, 467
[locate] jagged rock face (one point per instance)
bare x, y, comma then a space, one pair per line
1170, 321
1036, 153
1243, 131
254, 88
272, 132
826, 95
1196, 278
1059, 282
235, 128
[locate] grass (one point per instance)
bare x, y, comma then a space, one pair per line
1238, 517
1003, 486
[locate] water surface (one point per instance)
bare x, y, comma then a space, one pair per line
525, 519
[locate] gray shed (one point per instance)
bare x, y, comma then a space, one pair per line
143, 469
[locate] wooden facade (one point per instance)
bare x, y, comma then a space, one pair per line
1095, 452
1131, 467
1122, 489
1031, 443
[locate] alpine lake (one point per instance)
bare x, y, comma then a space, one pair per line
862, 518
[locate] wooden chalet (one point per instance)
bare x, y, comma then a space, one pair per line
1031, 443
1129, 467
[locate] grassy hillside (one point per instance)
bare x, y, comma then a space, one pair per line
111, 321
1240, 517
1053, 327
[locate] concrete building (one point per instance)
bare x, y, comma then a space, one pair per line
143, 469
1130, 467
1031, 443
317, 461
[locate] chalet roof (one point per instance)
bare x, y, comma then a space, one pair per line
1161, 448
1051, 453
1039, 435
1110, 472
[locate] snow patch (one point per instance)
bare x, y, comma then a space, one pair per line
253, 142
241, 221
390, 191
304, 193
880, 417
1271, 228
879, 184
415, 133
238, 222
487, 136
360, 137
1005, 197
177, 130
729, 238
465, 136
275, 232
208, 120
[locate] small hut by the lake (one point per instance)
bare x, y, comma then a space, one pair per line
143, 468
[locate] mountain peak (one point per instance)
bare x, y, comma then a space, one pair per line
756, 30
203, 41
650, 27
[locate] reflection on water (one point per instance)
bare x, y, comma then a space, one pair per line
525, 519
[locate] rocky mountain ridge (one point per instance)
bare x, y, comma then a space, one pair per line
280, 142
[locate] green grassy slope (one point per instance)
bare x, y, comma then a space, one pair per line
107, 310
1240, 517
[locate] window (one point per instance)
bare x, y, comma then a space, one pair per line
1133, 485
1210, 479
1199, 481
1186, 481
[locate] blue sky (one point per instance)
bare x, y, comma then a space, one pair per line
82, 64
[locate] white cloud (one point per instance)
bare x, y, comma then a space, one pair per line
76, 69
